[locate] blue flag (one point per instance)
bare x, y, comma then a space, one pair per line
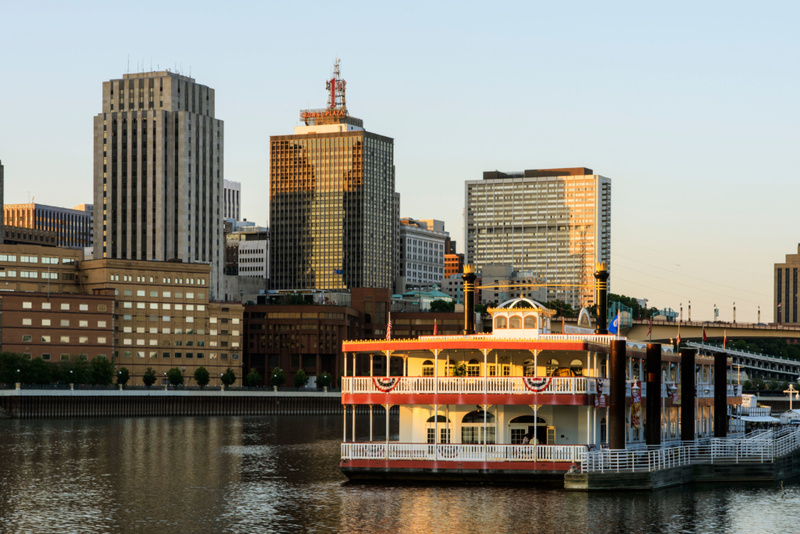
613, 328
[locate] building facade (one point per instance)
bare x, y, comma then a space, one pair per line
785, 289
158, 172
555, 223
453, 264
254, 258
422, 251
71, 227
232, 201
331, 200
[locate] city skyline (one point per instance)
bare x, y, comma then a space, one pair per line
691, 117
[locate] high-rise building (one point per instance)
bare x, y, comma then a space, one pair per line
554, 223
72, 227
158, 160
786, 289
2, 201
421, 253
232, 199
331, 201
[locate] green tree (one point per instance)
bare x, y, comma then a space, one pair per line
300, 379
253, 378
101, 371
563, 309
747, 386
201, 376
175, 376
277, 377
123, 375
440, 305
479, 308
39, 372
149, 377
324, 380
228, 377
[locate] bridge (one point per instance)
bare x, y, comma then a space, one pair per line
754, 364
664, 331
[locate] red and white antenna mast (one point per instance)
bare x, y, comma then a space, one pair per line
336, 87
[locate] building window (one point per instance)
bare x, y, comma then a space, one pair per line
126, 354
64, 322
65, 357
45, 305
102, 307
27, 305
45, 322
83, 324
64, 339
46, 357
26, 322
83, 307
27, 338
65, 306
45, 339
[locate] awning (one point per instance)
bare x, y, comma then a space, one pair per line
760, 419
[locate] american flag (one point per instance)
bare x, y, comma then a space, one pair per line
389, 328
434, 327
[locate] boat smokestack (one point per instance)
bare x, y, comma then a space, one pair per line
601, 294
469, 299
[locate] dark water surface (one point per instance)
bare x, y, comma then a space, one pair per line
281, 474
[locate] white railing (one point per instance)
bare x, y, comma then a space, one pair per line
462, 452
763, 448
464, 384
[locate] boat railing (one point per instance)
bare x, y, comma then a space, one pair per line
465, 384
463, 452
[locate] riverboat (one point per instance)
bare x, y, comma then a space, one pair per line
518, 404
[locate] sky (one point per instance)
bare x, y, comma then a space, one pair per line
690, 108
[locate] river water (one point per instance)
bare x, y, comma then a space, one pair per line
281, 474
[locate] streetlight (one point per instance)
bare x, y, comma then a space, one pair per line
19, 381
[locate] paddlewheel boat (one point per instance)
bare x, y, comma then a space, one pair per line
518, 404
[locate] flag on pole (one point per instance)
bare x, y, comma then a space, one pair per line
650, 329
704, 333
434, 327
613, 328
389, 327
724, 338
678, 341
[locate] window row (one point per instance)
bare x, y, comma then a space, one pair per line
187, 355
154, 280
64, 322
64, 306
82, 340
164, 306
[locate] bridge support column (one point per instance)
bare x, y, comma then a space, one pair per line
653, 413
616, 400
687, 394
720, 395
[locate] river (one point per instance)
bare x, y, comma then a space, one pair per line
281, 474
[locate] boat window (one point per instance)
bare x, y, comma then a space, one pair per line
477, 417
577, 367
427, 368
473, 368
530, 321
528, 368
442, 419
603, 430
500, 322
527, 419
552, 366
515, 322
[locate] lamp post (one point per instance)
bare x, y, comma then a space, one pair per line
790, 391
19, 380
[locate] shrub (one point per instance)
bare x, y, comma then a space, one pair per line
253, 378
101, 371
324, 380
300, 379
123, 375
229, 377
149, 377
460, 370
175, 376
277, 378
201, 376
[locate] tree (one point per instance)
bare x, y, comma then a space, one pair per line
440, 305
229, 377
747, 386
479, 308
149, 377
324, 380
563, 309
278, 377
253, 378
460, 370
175, 376
300, 379
201, 376
123, 375
101, 371
38, 372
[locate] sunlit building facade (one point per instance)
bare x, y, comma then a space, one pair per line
331, 203
554, 223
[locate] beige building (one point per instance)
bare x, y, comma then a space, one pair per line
554, 223
785, 289
72, 227
162, 314
158, 172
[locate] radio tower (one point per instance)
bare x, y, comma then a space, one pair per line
336, 87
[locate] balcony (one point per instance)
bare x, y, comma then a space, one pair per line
462, 452
507, 385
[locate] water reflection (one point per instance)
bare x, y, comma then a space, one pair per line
280, 474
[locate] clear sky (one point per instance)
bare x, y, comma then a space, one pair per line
690, 108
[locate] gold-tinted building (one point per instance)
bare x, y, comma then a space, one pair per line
331, 202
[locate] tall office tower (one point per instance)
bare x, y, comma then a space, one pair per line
786, 289
555, 223
231, 206
158, 160
2, 201
422, 246
72, 227
331, 201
